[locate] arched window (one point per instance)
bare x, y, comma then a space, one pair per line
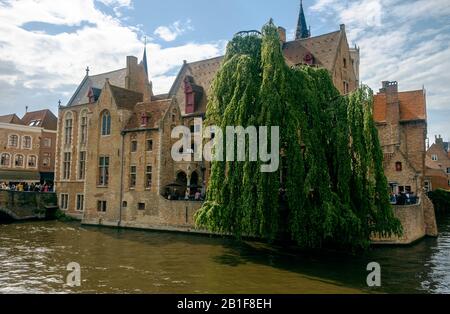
68, 125
32, 161
18, 162
398, 166
26, 142
83, 127
5, 160
106, 123
13, 140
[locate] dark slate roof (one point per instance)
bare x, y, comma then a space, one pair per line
11, 118
116, 78
125, 98
43, 118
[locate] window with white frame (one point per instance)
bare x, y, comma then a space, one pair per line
47, 142
106, 123
80, 202
83, 128
101, 206
148, 177
132, 177
32, 161
82, 166
5, 160
26, 142
434, 157
103, 171
68, 125
13, 140
64, 201
66, 165
19, 161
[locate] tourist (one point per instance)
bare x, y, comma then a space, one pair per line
187, 195
198, 196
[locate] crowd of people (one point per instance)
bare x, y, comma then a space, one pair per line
404, 198
175, 195
27, 187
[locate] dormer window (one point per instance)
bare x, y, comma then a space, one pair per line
144, 119
193, 95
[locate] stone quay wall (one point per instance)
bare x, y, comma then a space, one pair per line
417, 220
26, 205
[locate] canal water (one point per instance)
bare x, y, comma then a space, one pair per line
34, 257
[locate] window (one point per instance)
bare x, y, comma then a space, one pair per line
83, 128
345, 63
427, 186
66, 166
80, 202
434, 157
68, 124
47, 142
82, 166
346, 87
148, 177
5, 160
132, 176
103, 171
19, 161
64, 201
125, 204
32, 161
106, 123
174, 115
141, 206
448, 182
408, 189
34, 123
13, 141
398, 166
134, 145
101, 206
448, 170
46, 159
27, 142
149, 146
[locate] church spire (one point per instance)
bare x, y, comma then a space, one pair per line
302, 28
144, 59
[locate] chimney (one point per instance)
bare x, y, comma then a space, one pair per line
439, 140
390, 89
342, 27
282, 34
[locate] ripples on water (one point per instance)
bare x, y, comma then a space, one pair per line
34, 256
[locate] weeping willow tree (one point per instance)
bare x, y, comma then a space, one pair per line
330, 187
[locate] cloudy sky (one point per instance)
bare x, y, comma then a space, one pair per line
45, 45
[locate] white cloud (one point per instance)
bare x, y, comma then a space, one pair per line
406, 41
170, 33
40, 63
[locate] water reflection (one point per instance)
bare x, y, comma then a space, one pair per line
34, 257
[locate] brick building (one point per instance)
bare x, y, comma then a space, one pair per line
114, 136
401, 120
27, 147
437, 162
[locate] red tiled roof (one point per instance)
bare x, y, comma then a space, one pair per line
11, 118
44, 118
412, 106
